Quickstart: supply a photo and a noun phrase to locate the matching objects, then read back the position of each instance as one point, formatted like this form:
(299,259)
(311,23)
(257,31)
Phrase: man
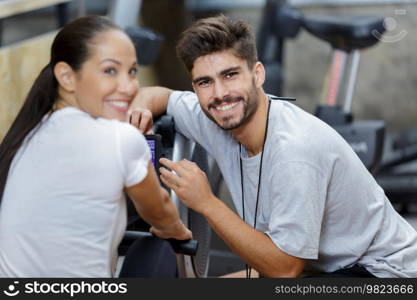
(305,200)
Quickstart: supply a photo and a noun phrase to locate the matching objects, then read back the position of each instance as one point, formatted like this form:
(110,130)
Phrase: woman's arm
(155,207)
(149,103)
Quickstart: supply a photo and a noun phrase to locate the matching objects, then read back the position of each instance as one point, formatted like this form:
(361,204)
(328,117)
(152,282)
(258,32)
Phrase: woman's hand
(141,118)
(149,102)
(175,231)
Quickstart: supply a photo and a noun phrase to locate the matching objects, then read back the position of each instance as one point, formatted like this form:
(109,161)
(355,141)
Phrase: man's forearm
(154,99)
(253,246)
(191,185)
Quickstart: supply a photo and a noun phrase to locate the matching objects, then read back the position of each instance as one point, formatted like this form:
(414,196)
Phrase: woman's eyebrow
(110,59)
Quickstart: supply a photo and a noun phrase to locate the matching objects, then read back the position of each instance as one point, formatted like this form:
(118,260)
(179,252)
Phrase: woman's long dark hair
(71,45)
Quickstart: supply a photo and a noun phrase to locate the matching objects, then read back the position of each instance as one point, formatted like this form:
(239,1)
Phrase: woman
(68,159)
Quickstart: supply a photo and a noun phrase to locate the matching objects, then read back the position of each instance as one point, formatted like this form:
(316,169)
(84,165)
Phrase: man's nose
(220,91)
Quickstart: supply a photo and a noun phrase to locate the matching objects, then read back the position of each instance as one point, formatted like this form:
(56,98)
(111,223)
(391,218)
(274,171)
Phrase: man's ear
(65,76)
(259,73)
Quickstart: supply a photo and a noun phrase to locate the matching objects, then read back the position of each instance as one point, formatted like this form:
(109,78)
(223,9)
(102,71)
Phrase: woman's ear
(259,72)
(65,76)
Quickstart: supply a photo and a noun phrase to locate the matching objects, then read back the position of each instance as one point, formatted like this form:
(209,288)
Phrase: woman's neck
(65,99)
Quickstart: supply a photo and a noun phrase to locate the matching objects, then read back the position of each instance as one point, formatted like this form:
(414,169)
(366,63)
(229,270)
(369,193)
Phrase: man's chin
(229,125)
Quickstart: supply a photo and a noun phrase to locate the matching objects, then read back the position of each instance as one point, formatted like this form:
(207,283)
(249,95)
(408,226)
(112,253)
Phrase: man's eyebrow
(231,69)
(223,72)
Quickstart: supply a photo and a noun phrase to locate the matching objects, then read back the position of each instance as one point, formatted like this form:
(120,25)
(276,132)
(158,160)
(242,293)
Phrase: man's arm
(150,102)
(254,247)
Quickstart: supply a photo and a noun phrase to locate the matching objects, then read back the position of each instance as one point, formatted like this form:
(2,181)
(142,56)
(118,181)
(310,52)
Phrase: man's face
(226,88)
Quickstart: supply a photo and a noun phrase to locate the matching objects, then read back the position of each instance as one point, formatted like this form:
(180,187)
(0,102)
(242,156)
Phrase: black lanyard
(249,269)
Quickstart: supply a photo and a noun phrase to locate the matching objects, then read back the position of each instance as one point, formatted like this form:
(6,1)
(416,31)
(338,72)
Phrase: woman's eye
(133,71)
(110,71)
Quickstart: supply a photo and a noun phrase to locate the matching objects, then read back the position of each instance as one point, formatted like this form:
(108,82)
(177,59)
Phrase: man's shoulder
(183,96)
(297,135)
(183,104)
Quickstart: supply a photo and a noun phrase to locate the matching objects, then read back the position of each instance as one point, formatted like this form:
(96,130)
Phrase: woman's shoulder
(123,128)
(79,124)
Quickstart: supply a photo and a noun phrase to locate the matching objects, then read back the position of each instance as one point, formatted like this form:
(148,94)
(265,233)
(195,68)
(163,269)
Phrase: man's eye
(110,71)
(203,82)
(231,74)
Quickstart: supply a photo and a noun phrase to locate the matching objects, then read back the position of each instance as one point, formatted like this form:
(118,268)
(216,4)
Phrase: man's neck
(251,135)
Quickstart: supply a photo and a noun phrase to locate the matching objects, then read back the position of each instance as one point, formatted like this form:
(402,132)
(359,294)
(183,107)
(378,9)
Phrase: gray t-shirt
(317,200)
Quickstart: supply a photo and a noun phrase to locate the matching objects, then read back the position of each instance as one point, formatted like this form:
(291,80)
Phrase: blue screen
(151,144)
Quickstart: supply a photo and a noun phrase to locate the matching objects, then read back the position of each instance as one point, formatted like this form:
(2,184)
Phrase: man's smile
(226,106)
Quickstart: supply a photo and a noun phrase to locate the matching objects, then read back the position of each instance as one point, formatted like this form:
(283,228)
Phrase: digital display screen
(151,144)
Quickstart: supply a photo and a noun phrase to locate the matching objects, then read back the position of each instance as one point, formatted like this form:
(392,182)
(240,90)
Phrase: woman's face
(107,81)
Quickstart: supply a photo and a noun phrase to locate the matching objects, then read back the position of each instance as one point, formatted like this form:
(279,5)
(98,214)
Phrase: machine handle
(186,247)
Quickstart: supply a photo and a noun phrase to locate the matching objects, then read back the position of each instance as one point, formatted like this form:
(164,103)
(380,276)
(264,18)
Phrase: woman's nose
(128,85)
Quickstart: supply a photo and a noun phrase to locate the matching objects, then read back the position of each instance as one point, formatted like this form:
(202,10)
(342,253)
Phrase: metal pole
(81,9)
(63,16)
(354,66)
(125,13)
(334,78)
(1,32)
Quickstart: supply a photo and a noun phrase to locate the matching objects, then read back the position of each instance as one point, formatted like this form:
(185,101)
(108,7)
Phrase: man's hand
(189,182)
(141,118)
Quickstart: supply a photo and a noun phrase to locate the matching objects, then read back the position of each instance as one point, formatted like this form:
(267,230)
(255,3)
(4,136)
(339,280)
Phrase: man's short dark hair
(210,35)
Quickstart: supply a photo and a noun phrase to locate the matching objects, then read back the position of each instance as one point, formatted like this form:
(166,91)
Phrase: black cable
(249,269)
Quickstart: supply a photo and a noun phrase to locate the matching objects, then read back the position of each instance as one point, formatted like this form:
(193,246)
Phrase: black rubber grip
(186,247)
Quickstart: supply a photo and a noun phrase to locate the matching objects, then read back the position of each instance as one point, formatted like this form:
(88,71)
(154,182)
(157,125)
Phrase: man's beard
(249,107)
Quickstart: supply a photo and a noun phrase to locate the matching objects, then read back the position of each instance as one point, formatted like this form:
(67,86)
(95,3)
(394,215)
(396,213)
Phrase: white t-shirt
(317,200)
(63,211)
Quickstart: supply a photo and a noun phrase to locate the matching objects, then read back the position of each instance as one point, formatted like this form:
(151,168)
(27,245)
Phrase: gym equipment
(147,42)
(347,36)
(398,172)
(390,157)
(193,262)
(186,247)
(125,13)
